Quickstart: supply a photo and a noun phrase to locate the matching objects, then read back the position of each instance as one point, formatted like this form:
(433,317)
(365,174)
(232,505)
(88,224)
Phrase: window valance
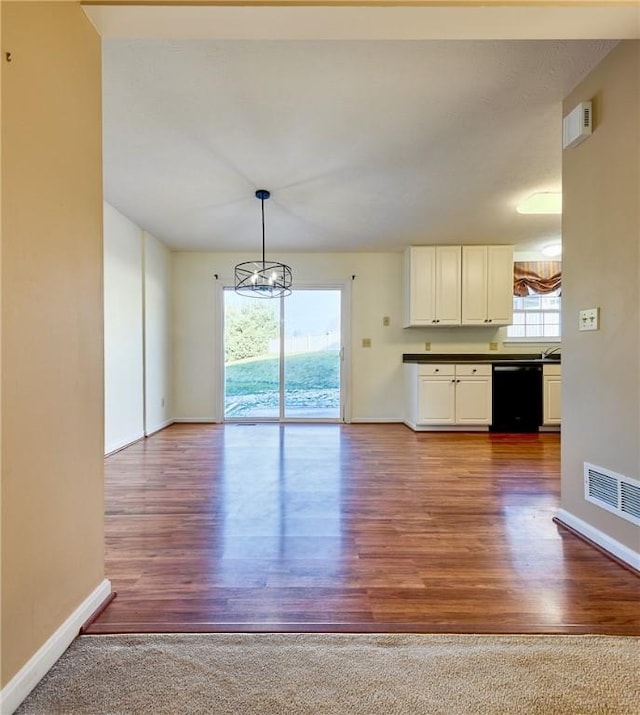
(536,277)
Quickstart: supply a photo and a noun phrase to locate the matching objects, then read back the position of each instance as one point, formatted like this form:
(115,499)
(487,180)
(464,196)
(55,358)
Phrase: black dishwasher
(517,398)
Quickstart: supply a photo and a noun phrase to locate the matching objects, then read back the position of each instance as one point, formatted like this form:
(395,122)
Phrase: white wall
(376,375)
(123,356)
(157,334)
(137,332)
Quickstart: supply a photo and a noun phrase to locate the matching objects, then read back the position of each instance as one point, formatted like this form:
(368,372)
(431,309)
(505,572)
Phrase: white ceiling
(365,145)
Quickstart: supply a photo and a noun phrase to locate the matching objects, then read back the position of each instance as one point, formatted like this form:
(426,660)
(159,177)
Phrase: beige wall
(601,238)
(52,404)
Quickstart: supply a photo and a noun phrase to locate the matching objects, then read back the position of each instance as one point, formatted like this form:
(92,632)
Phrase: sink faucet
(550,351)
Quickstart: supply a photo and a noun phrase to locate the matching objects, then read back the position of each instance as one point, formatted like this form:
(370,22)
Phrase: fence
(306,344)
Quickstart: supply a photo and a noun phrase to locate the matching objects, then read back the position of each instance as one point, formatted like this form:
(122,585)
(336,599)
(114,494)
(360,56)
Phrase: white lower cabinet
(437,398)
(473,397)
(441,395)
(552,394)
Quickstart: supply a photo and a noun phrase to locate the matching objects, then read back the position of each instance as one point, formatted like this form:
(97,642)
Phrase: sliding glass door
(283,357)
(312,352)
(251,357)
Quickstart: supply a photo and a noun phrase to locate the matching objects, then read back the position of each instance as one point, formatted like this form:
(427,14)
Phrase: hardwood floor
(350,527)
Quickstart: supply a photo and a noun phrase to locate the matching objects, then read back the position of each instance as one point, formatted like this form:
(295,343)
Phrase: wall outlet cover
(366,342)
(427,346)
(493,346)
(386,321)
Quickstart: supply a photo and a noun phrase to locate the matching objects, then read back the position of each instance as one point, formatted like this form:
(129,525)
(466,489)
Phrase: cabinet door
(420,283)
(552,399)
(436,400)
(448,286)
(474,285)
(500,285)
(473,400)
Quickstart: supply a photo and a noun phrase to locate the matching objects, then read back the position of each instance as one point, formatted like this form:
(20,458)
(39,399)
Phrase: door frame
(345,363)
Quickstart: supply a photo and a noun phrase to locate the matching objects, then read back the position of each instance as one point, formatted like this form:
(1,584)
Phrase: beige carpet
(271,674)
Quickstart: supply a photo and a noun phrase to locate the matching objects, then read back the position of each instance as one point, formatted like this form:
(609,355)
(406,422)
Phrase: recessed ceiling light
(552,250)
(544,202)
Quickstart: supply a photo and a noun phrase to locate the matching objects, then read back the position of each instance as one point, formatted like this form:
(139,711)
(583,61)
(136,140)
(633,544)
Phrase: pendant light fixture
(261,278)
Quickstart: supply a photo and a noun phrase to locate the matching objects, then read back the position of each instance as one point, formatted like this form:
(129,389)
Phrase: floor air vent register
(612,492)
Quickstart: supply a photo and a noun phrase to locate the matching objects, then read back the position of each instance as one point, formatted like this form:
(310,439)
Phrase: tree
(249,330)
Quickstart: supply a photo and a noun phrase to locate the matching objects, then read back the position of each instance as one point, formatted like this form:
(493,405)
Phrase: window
(536,317)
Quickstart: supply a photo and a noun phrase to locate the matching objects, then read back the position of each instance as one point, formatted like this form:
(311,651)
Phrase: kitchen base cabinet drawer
(474,370)
(436,370)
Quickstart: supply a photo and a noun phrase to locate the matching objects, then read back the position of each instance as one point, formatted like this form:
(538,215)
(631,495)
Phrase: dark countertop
(512,358)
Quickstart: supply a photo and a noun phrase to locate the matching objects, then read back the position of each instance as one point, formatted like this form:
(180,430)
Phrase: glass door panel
(282,357)
(252,388)
(312,359)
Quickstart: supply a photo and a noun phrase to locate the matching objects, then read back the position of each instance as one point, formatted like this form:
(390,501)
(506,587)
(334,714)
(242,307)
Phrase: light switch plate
(589,319)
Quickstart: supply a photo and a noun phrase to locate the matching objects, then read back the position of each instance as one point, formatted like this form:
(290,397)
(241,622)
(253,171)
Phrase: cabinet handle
(490,320)
(474,370)
(437,369)
(434,321)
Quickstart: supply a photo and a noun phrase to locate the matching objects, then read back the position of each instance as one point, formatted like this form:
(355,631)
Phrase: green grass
(302,372)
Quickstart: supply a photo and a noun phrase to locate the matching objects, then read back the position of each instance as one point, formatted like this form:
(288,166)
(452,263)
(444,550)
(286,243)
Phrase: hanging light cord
(262,203)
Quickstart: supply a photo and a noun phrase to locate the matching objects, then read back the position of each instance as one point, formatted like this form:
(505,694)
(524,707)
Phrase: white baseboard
(112,449)
(159,428)
(446,428)
(620,551)
(197,420)
(26,679)
(375,420)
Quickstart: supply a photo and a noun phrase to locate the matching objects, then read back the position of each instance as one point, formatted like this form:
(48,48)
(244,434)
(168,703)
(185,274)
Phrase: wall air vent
(613,492)
(577,125)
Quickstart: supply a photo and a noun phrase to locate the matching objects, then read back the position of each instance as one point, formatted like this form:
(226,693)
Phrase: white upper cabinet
(458,285)
(487,285)
(447,284)
(474,285)
(500,286)
(432,286)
